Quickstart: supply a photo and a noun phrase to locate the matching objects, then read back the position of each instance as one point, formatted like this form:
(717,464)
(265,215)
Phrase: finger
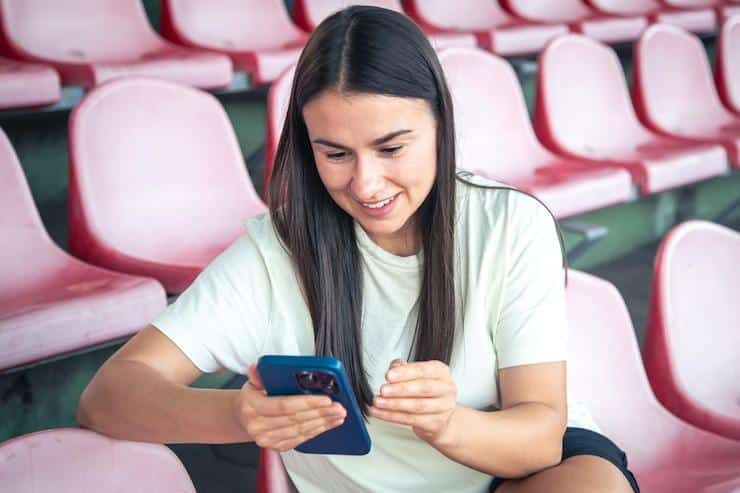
(335,411)
(414,406)
(418,369)
(397,417)
(290,444)
(287,405)
(397,362)
(423,387)
(301,430)
(254,377)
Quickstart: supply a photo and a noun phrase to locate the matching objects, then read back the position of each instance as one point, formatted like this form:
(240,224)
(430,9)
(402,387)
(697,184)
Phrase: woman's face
(377,158)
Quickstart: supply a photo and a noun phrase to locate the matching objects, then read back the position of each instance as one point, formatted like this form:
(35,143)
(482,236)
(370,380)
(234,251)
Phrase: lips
(378,205)
(380,208)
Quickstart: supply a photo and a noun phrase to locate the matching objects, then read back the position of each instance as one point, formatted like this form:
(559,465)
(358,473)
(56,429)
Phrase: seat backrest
(728,63)
(696,311)
(673,87)
(230,24)
(80,461)
(625,7)
(470,15)
(583,104)
(78,31)
(549,11)
(605,372)
(26,247)
(689,4)
(309,13)
(152,164)
(278,99)
(494,133)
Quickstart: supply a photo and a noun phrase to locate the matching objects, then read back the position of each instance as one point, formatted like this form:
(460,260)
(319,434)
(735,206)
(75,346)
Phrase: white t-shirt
(511,311)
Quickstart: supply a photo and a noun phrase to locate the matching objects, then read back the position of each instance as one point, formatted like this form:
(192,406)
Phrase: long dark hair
(364,50)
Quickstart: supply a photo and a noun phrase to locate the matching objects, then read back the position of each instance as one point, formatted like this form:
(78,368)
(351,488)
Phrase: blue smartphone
(318,375)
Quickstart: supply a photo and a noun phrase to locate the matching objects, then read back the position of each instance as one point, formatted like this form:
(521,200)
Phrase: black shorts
(579,441)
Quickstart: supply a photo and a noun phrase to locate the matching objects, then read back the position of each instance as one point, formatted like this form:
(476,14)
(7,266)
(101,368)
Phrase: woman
(378,253)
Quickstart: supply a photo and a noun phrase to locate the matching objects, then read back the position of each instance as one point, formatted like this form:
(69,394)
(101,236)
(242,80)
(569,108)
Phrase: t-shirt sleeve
(532,327)
(221,319)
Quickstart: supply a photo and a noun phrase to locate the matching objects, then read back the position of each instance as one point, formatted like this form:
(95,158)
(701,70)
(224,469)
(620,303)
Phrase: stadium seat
(271,474)
(258,35)
(309,13)
(730,8)
(580,18)
(584,110)
(674,92)
(70,460)
(277,106)
(692,342)
(27,84)
(51,303)
(495,139)
(697,20)
(92,41)
(723,8)
(605,372)
(727,69)
(495,29)
(157,184)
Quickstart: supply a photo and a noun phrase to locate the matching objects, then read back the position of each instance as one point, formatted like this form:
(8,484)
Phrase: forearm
(147,407)
(515,442)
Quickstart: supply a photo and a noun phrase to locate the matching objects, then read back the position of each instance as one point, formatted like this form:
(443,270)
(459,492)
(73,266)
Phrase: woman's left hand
(419,394)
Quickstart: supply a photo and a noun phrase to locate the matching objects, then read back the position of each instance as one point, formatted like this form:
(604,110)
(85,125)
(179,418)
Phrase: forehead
(362,116)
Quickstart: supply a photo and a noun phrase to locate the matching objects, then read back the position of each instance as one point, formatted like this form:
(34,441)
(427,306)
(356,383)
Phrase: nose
(368,179)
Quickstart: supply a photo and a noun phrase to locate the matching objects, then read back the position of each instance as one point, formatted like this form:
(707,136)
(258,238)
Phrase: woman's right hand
(283,423)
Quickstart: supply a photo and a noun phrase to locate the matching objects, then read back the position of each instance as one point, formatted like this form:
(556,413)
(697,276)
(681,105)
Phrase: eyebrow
(379,141)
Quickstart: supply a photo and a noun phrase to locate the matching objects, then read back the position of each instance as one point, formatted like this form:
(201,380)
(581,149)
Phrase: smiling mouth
(380,204)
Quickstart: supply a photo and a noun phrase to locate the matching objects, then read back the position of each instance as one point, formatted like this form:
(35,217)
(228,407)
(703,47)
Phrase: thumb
(397,362)
(254,377)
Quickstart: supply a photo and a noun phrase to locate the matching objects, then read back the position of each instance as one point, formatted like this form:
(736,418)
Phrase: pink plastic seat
(581,18)
(493,27)
(697,20)
(278,98)
(69,460)
(675,93)
(692,343)
(495,139)
(258,35)
(158,185)
(729,9)
(584,110)
(92,41)
(50,302)
(724,8)
(27,84)
(271,474)
(309,13)
(727,70)
(605,372)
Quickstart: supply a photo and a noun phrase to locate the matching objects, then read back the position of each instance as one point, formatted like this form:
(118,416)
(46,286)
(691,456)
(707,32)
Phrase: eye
(392,150)
(336,156)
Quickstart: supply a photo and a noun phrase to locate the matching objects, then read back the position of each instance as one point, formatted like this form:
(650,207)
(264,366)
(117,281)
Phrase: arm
(141,393)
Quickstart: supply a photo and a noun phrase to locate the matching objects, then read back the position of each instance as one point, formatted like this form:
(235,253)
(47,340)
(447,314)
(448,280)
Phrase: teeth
(378,205)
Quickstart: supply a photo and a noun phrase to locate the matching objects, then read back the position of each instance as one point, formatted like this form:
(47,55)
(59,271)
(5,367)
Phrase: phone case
(280,376)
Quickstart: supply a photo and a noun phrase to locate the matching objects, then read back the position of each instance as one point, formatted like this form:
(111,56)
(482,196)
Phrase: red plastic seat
(51,303)
(91,41)
(692,343)
(158,185)
(493,27)
(271,474)
(584,110)
(69,460)
(675,93)
(309,13)
(581,18)
(727,70)
(278,98)
(605,372)
(495,139)
(258,35)
(723,7)
(698,20)
(27,84)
